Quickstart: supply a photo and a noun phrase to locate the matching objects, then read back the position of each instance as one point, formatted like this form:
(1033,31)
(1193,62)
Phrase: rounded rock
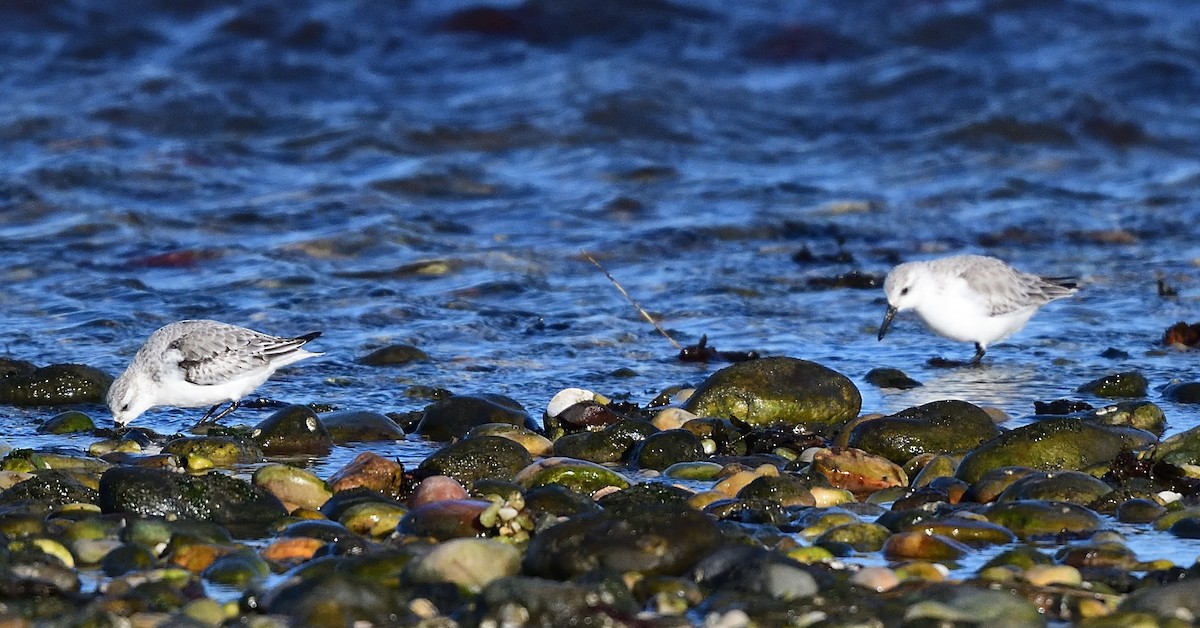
(940,427)
(479,458)
(778,391)
(454,416)
(1062,443)
(292,430)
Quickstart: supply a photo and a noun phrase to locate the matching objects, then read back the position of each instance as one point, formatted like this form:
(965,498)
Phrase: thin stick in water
(640,309)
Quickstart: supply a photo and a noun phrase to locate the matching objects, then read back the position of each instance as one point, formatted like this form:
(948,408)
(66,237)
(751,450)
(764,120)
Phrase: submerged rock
(939,427)
(1182,392)
(778,391)
(55,385)
(392,355)
(1059,443)
(1129,384)
(453,417)
(890,378)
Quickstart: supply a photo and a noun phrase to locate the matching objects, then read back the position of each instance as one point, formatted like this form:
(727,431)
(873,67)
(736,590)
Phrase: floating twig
(640,309)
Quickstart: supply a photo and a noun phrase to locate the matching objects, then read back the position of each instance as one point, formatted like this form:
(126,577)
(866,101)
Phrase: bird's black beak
(887,320)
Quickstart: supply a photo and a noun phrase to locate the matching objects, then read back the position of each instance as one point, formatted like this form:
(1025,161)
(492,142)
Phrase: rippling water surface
(429,172)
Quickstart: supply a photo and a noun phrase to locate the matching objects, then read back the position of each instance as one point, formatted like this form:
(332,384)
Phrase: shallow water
(429,173)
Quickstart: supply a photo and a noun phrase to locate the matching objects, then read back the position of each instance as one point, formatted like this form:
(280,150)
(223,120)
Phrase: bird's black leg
(210,418)
(979,351)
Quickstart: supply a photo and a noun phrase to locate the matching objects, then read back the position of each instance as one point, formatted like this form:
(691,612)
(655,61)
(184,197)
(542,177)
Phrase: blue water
(429,173)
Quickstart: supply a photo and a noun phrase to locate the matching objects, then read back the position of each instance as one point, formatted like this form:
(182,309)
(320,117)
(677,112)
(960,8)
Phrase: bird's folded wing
(208,359)
(1002,288)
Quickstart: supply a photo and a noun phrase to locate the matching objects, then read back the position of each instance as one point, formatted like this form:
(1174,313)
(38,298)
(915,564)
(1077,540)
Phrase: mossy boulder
(55,385)
(222,451)
(215,497)
(1051,444)
(1129,384)
(778,391)
(940,427)
(478,458)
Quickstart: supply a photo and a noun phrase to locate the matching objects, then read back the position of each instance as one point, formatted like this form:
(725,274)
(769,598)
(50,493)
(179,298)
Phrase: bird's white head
(904,288)
(126,399)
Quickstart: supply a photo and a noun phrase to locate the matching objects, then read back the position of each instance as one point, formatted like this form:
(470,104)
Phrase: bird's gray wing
(1006,289)
(219,354)
(1003,288)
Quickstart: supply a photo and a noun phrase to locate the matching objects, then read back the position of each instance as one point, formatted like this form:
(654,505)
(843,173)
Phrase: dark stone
(661,540)
(478,458)
(663,449)
(55,385)
(224,500)
(293,430)
(453,417)
(393,355)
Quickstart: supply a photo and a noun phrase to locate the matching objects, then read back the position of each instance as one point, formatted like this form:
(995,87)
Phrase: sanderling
(191,364)
(970,298)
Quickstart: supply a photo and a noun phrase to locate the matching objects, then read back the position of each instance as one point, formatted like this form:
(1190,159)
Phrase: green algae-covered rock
(215,497)
(1182,448)
(453,417)
(949,426)
(778,391)
(1052,444)
(1075,487)
(663,449)
(478,458)
(1143,415)
(69,422)
(580,476)
(860,535)
(46,490)
(1130,384)
(1035,518)
(654,540)
(613,443)
(55,385)
(223,451)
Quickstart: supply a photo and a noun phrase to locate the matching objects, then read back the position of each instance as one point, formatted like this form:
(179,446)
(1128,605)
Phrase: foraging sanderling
(970,298)
(196,363)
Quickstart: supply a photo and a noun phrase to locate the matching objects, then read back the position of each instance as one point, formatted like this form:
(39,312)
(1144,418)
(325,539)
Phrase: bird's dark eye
(904,292)
(125,408)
